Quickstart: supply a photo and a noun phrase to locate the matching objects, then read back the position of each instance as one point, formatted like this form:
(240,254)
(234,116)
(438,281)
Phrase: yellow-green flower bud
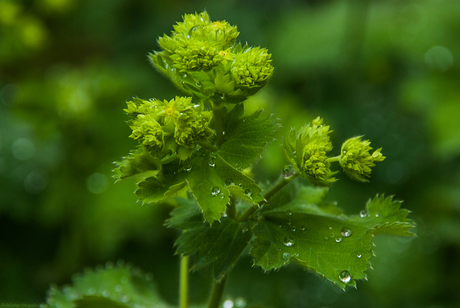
(192,125)
(198,44)
(148,132)
(307,151)
(141,106)
(252,67)
(356,159)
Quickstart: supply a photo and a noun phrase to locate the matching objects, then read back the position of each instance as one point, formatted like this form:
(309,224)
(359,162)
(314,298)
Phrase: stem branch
(217,292)
(267,196)
(183,287)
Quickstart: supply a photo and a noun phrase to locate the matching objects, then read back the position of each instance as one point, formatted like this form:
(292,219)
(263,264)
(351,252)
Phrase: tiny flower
(307,150)
(252,67)
(356,159)
(148,132)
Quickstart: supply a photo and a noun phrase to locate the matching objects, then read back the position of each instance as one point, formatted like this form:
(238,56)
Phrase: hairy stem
(217,292)
(217,117)
(267,196)
(183,287)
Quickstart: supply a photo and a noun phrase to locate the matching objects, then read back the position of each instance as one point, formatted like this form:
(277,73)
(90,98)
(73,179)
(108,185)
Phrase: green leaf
(210,179)
(112,286)
(207,187)
(245,138)
(220,244)
(139,164)
(385,216)
(312,232)
(167,184)
(97,302)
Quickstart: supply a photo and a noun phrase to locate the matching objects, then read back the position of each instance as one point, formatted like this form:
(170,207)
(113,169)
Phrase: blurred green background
(388,69)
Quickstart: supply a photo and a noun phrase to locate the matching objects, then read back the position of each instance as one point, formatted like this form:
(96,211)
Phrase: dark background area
(387,69)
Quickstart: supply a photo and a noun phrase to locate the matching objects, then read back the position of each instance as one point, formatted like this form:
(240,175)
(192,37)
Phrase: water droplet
(124,298)
(359,256)
(244,229)
(288,242)
(288,171)
(105,293)
(240,185)
(345,276)
(302,228)
(363,213)
(293,228)
(229,182)
(338,240)
(212,162)
(124,279)
(286,256)
(326,238)
(215,191)
(238,166)
(118,288)
(187,166)
(90,291)
(289,212)
(222,196)
(294,153)
(346,232)
(248,193)
(109,265)
(377,215)
(330,228)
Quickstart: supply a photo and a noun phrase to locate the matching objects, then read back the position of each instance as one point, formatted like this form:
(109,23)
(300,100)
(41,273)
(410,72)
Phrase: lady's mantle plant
(197,149)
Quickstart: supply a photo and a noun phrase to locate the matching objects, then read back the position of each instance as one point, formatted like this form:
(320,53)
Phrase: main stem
(217,292)
(183,287)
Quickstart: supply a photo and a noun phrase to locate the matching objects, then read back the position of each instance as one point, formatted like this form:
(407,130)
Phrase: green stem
(334,159)
(217,117)
(267,196)
(217,292)
(205,144)
(183,287)
(231,210)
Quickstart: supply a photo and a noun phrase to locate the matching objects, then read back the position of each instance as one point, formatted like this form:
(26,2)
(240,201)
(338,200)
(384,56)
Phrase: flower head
(307,150)
(148,132)
(356,159)
(252,67)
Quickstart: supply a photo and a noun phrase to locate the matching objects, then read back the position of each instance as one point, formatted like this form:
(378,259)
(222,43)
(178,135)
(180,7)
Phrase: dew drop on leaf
(289,212)
(215,191)
(229,182)
(363,213)
(338,239)
(240,302)
(293,228)
(359,256)
(187,166)
(345,276)
(302,228)
(244,229)
(288,242)
(287,171)
(286,256)
(212,162)
(346,232)
(118,288)
(105,293)
(248,193)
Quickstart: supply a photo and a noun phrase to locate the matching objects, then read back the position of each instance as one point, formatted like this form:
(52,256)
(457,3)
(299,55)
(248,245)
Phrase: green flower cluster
(202,58)
(307,151)
(166,127)
(356,159)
